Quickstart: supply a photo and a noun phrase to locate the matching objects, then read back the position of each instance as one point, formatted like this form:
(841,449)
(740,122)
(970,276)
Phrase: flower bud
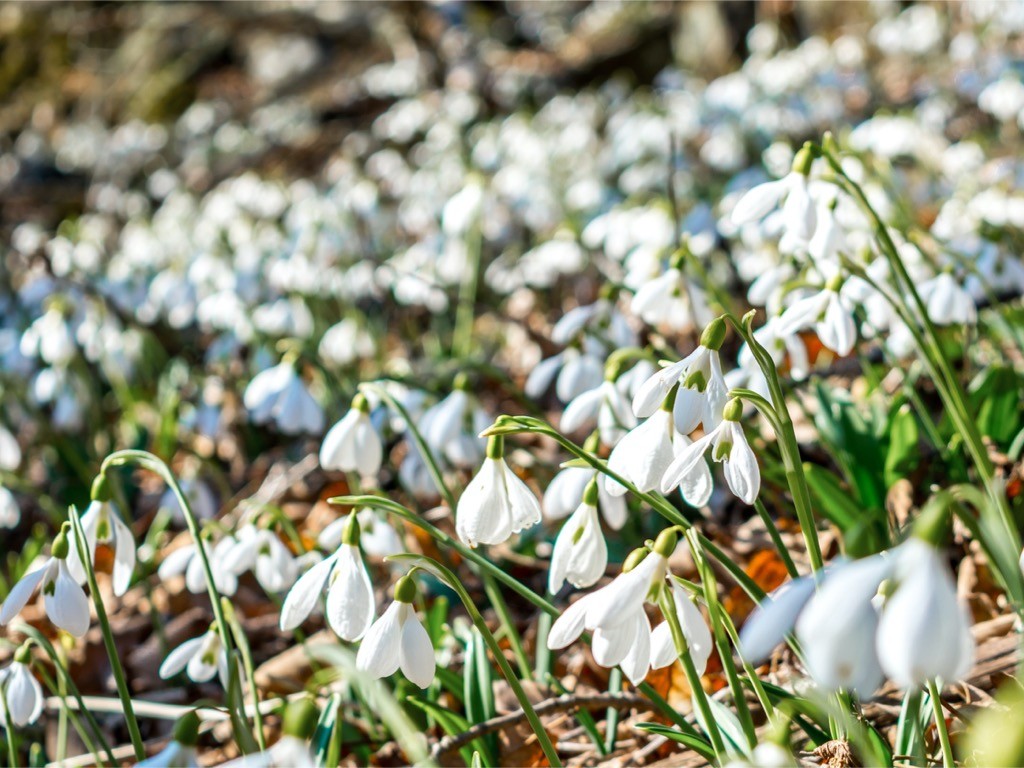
(300,718)
(350,535)
(714,334)
(666,542)
(186,730)
(405,589)
(100,488)
(61,547)
(803,160)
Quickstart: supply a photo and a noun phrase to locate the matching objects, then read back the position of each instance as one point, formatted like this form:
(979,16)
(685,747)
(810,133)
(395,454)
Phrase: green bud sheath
(803,160)
(360,403)
(461,382)
(714,334)
(351,533)
(61,547)
(733,410)
(186,730)
(24,653)
(590,493)
(405,589)
(666,542)
(100,488)
(300,718)
(634,559)
(495,447)
(933,524)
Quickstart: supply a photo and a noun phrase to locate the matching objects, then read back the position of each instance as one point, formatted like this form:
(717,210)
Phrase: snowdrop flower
(925,631)
(292,750)
(670,300)
(644,454)
(63,599)
(181,751)
(580,554)
(200,658)
(49,338)
(496,503)
(695,631)
(397,640)
(606,406)
(947,302)
(573,371)
(614,614)
(565,492)
(729,446)
(197,493)
(22,694)
(451,427)
(185,560)
(376,535)
(353,444)
(278,396)
(10,513)
(345,342)
(102,524)
(10,451)
(261,551)
(774,618)
(829,312)
(602,320)
(350,606)
(703,391)
(791,191)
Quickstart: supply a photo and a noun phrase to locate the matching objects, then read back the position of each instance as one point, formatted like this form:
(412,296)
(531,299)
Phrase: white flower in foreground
(580,554)
(729,446)
(925,631)
(702,391)
(10,513)
(262,552)
(774,618)
(102,524)
(829,312)
(350,605)
(376,535)
(22,693)
(63,599)
(947,302)
(278,396)
(293,749)
(565,491)
(496,503)
(614,614)
(185,560)
(643,455)
(180,752)
(799,216)
(397,640)
(353,444)
(200,658)
(695,630)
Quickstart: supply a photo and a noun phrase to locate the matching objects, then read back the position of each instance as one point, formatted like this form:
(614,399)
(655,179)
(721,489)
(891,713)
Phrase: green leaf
(697,744)
(903,452)
(833,500)
(995,397)
(454,724)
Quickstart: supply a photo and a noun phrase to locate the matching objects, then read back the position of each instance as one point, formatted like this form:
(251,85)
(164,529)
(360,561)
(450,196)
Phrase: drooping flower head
(102,524)
(397,640)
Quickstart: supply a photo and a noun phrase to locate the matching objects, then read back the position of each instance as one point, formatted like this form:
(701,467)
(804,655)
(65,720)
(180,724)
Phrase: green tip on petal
(100,488)
(666,542)
(714,334)
(300,718)
(61,547)
(186,730)
(405,589)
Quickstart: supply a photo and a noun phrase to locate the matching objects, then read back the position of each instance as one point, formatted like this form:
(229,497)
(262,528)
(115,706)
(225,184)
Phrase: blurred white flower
(279,397)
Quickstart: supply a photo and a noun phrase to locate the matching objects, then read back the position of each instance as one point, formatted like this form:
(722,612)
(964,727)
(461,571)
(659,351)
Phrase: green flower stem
(776,537)
(700,698)
(752,679)
(501,608)
(452,581)
(940,724)
(465,312)
(612,714)
(154,464)
(250,670)
(108,637)
(69,684)
(9,735)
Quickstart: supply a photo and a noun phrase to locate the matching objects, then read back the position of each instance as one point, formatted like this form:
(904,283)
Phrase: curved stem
(108,636)
(452,581)
(250,671)
(940,724)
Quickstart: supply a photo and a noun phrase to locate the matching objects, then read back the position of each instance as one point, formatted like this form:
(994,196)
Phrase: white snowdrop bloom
(21,691)
(925,631)
(451,427)
(605,406)
(10,513)
(792,191)
(180,752)
(947,302)
(580,553)
(10,451)
(496,503)
(278,396)
(729,446)
(695,630)
(261,551)
(837,628)
(50,339)
(602,318)
(702,392)
(829,238)
(614,614)
(200,658)
(462,210)
(565,492)
(643,455)
(397,640)
(353,443)
(573,371)
(102,524)
(829,312)
(377,536)
(63,599)
(197,493)
(185,560)
(293,749)
(767,289)
(696,486)
(774,618)
(344,342)
(350,604)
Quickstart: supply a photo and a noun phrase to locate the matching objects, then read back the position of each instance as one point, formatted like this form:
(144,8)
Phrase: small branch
(566,703)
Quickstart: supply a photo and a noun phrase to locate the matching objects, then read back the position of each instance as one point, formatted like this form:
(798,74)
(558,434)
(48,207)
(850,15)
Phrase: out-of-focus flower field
(561,383)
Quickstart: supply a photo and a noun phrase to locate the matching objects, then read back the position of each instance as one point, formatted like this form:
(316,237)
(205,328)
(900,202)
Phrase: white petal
(663,647)
(304,595)
(570,625)
(380,652)
(483,514)
(644,454)
(350,606)
(579,374)
(581,411)
(695,487)
(178,659)
(542,375)
(580,554)
(124,554)
(637,662)
(741,470)
(685,463)
(524,507)
(88,521)
(418,663)
(67,607)
(21,592)
(625,594)
(837,331)
(654,391)
(774,618)
(176,562)
(205,663)
(695,629)
(803,313)
(758,201)
(369,450)
(610,645)
(337,452)
(24,695)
